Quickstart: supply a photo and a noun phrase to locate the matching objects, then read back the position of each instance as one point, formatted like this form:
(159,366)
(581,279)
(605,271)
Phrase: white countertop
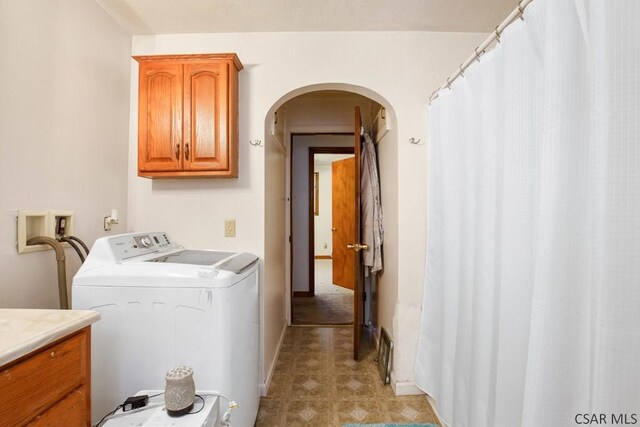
(25,330)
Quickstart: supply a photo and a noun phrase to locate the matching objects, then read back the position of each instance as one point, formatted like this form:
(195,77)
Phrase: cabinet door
(160,117)
(206,118)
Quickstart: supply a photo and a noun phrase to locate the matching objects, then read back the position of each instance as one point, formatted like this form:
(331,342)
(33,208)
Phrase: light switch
(230,228)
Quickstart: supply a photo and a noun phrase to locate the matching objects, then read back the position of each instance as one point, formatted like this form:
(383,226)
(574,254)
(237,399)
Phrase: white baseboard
(408,388)
(264,387)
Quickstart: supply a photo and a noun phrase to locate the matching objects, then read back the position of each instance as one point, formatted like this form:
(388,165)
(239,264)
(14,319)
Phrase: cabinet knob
(53,354)
(186,151)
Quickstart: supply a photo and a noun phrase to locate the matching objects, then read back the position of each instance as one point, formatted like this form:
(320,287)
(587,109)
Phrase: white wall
(300,200)
(273,302)
(64,123)
(387,284)
(394,68)
(323,222)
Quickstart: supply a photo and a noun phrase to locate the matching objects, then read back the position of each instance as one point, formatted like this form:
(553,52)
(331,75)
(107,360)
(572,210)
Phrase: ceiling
(231,16)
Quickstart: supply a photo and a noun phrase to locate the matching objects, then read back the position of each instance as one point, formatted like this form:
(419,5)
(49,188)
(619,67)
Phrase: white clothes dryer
(162,306)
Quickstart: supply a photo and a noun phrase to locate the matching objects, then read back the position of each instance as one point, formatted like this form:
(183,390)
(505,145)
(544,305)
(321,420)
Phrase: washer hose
(62,272)
(83,244)
(71,243)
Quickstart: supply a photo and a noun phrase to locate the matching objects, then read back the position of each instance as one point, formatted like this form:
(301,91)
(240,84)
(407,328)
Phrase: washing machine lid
(239,263)
(193,257)
(151,259)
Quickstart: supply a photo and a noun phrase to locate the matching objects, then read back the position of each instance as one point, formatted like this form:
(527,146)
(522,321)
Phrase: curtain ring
(521,10)
(478,53)
(448,83)
(461,70)
(497,34)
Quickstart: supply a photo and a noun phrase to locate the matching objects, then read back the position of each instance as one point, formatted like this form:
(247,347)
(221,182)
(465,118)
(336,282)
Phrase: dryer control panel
(134,245)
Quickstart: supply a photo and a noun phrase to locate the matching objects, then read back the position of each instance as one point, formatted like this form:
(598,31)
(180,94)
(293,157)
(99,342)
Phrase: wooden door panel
(343,217)
(358,275)
(160,117)
(206,134)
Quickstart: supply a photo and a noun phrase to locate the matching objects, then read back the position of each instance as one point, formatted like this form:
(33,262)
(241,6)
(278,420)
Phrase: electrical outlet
(230,228)
(61,223)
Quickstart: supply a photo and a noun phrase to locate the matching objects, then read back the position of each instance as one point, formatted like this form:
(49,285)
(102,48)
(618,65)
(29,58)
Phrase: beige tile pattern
(316,382)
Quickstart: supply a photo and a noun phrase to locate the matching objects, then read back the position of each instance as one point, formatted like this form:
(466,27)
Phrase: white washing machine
(162,306)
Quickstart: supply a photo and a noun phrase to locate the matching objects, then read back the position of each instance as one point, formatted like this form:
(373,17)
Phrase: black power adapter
(135,402)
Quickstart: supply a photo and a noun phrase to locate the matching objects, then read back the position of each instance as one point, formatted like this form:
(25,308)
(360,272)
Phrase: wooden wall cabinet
(188,116)
(49,387)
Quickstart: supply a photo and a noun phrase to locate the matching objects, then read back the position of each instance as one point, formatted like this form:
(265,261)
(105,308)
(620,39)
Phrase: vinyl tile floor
(316,382)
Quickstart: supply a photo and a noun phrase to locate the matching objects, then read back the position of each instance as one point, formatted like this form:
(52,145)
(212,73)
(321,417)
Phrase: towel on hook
(372,230)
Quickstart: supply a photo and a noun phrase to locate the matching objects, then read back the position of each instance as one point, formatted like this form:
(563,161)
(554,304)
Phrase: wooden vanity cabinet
(188,116)
(50,386)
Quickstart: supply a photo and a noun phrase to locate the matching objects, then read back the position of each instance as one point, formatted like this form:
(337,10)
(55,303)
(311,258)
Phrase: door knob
(358,247)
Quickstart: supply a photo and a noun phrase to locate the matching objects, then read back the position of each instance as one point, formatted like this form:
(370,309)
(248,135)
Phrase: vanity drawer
(69,412)
(33,384)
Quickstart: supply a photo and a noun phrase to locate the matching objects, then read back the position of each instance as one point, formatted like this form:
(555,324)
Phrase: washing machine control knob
(145,242)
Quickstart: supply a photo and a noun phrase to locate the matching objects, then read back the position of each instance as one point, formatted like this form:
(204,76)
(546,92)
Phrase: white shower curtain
(531,313)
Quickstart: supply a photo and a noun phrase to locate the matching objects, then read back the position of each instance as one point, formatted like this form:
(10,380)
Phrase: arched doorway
(315,109)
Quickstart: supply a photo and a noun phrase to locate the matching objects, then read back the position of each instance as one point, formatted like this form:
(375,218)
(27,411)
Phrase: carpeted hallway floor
(331,305)
(317,383)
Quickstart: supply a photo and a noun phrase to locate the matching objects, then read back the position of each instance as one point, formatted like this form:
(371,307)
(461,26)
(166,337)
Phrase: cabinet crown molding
(192,57)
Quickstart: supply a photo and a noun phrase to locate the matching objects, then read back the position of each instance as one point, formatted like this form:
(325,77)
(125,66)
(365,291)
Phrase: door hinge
(289,239)
(364,296)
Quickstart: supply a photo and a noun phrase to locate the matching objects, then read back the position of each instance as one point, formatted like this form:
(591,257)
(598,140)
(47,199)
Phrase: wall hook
(414,141)
(256,142)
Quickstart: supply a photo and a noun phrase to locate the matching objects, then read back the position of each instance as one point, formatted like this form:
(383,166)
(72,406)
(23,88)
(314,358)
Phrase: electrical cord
(156,395)
(108,415)
(201,408)
(113,414)
(118,407)
(226,417)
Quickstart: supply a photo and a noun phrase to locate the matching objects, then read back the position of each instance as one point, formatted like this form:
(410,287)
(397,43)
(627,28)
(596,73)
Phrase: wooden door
(357,274)
(206,133)
(160,117)
(343,218)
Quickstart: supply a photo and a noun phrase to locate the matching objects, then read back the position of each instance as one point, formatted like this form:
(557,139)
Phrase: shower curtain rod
(518,12)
